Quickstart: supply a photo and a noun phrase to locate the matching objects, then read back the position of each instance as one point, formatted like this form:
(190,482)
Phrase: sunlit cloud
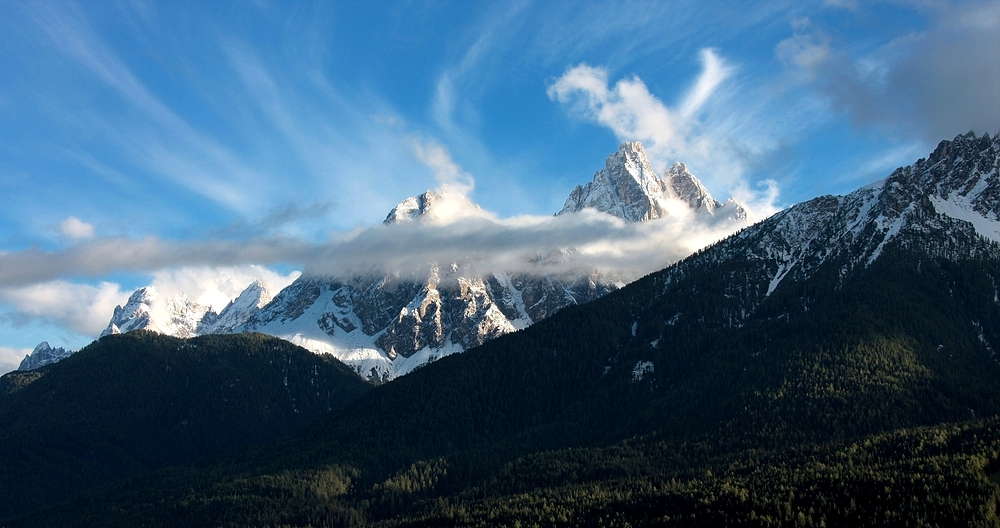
(669,134)
(714,71)
(447,173)
(215,286)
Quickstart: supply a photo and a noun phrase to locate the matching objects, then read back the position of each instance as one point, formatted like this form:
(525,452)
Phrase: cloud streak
(474,237)
(119,254)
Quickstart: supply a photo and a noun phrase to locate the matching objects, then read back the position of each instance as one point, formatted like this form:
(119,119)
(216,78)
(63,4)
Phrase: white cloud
(75,229)
(211,270)
(628,109)
(83,308)
(447,173)
(485,244)
(215,286)
(714,72)
(146,255)
(10,358)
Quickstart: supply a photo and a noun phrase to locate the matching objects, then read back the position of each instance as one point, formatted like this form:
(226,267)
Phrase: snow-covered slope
(946,202)
(42,355)
(385,326)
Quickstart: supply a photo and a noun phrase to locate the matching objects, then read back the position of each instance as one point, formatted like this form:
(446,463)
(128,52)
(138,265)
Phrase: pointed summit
(412,208)
(147,309)
(681,184)
(134,315)
(240,310)
(628,188)
(42,355)
(440,205)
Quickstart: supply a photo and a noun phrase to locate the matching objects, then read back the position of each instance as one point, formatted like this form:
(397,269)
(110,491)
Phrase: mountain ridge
(386,325)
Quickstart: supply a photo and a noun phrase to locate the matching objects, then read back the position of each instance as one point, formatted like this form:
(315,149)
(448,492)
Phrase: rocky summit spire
(628,188)
(42,355)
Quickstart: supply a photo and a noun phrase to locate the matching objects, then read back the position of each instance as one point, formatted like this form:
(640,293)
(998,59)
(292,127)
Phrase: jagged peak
(628,188)
(43,354)
(681,184)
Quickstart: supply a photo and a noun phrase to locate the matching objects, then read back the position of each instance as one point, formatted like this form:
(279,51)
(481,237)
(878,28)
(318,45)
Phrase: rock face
(42,355)
(385,325)
(628,188)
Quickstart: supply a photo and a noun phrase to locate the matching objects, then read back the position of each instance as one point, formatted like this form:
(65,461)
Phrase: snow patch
(960,208)
(641,369)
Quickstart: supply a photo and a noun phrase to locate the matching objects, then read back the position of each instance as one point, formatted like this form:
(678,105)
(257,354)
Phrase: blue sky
(190,143)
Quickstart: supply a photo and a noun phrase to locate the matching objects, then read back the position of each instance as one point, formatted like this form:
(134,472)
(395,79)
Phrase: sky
(197,146)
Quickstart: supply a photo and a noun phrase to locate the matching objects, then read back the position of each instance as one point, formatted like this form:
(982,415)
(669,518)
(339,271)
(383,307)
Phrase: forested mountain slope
(135,402)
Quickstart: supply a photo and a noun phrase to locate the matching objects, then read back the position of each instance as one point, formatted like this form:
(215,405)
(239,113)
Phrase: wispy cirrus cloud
(161,141)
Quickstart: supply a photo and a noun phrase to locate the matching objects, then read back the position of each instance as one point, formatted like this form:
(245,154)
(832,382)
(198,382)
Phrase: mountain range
(387,324)
(832,365)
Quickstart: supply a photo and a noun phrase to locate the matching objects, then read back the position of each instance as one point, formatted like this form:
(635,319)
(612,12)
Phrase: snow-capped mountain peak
(173,315)
(681,184)
(442,205)
(240,310)
(629,189)
(135,314)
(42,355)
(952,196)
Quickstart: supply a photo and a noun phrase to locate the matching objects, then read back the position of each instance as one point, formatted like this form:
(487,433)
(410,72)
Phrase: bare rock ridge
(385,325)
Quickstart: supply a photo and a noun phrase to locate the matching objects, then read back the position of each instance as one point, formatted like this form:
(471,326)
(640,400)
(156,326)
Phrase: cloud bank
(83,308)
(456,234)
